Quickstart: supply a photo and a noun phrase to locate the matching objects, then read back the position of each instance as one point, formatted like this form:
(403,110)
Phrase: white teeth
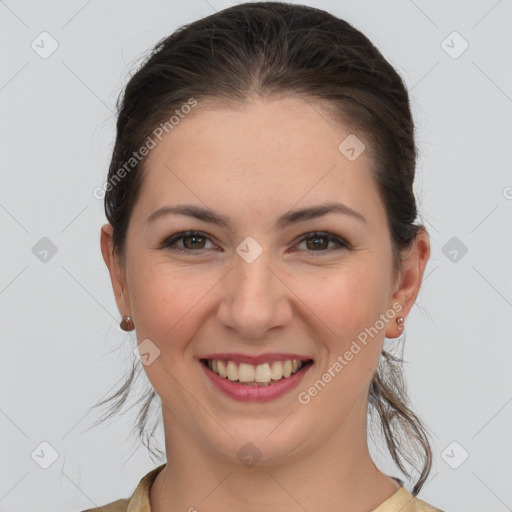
(287,368)
(245,372)
(263,373)
(277,370)
(232,371)
(253,375)
(222,369)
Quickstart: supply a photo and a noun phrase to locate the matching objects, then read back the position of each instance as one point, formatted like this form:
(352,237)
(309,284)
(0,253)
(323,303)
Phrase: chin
(264,442)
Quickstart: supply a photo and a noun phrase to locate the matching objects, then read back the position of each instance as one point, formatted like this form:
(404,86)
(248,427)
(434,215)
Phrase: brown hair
(265,49)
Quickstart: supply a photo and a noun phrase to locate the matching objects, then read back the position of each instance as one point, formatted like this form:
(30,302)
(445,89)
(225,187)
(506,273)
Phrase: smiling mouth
(264,374)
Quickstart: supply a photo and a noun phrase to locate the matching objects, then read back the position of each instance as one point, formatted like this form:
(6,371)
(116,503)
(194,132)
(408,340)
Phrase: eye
(320,240)
(192,240)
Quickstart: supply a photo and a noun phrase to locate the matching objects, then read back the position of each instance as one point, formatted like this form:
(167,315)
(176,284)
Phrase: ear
(414,261)
(116,270)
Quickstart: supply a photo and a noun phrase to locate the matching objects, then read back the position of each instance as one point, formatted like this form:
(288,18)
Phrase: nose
(255,299)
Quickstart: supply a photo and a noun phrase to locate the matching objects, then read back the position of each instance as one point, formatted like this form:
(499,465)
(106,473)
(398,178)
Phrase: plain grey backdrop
(63,63)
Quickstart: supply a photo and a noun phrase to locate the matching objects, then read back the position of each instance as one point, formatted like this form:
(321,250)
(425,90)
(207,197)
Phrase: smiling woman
(262,250)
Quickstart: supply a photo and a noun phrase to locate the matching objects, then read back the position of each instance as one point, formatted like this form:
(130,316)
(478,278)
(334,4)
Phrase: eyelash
(173,239)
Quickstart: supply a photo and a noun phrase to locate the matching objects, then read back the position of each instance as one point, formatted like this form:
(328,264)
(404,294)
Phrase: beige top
(401,501)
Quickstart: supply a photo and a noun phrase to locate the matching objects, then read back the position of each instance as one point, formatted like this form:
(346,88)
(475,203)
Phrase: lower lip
(256,393)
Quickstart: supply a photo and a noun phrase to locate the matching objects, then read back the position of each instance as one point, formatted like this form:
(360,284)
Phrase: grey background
(62,349)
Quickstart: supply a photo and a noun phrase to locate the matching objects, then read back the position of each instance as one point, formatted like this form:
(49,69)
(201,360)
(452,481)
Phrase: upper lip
(255,359)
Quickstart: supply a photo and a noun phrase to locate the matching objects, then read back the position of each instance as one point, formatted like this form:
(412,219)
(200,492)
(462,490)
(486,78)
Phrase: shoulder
(422,506)
(404,501)
(138,502)
(115,506)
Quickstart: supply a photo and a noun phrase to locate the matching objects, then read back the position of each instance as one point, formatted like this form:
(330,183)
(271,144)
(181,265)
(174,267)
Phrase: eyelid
(177,237)
(342,244)
(331,237)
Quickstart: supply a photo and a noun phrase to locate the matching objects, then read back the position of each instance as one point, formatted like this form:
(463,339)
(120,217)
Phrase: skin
(252,164)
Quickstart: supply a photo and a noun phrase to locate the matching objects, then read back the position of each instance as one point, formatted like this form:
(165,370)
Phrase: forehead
(260,154)
(264,131)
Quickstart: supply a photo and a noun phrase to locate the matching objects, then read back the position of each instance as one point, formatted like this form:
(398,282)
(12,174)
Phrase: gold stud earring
(400,322)
(127,324)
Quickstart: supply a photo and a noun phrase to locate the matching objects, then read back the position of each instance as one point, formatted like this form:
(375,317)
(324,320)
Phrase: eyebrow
(288,218)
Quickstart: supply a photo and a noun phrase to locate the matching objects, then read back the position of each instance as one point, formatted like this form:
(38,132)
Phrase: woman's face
(258,290)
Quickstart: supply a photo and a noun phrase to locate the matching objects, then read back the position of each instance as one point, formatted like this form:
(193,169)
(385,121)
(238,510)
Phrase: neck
(337,474)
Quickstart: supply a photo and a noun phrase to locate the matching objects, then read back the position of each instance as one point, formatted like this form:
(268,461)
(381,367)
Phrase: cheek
(166,302)
(167,305)
(346,299)
(349,301)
